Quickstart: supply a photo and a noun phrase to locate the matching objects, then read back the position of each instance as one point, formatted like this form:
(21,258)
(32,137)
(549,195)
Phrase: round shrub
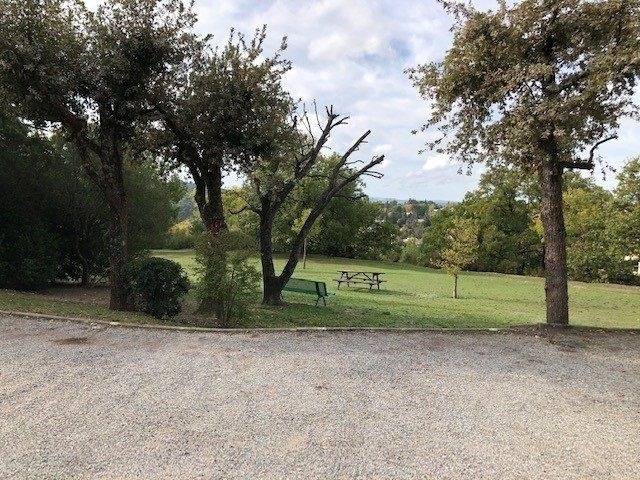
(158,286)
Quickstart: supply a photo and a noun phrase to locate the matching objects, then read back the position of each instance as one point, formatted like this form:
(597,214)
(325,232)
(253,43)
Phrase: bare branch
(365,170)
(247,205)
(77,126)
(589,163)
(345,157)
(315,107)
(237,212)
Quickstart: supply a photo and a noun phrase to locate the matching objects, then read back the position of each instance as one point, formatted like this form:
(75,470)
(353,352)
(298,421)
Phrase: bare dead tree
(271,194)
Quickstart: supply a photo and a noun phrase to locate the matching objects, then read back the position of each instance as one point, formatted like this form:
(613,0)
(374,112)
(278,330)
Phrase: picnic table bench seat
(312,287)
(359,277)
(371,283)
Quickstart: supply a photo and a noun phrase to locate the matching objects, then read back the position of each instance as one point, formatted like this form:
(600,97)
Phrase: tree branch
(236,212)
(587,164)
(336,170)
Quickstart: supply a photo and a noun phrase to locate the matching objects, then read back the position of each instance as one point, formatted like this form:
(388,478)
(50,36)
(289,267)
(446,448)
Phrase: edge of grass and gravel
(135,320)
(541,328)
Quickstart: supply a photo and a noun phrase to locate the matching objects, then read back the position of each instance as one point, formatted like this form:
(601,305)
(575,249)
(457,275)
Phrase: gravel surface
(104,402)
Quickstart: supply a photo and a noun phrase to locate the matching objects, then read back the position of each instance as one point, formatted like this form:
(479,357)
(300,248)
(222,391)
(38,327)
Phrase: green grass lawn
(411,297)
(13,301)
(421,297)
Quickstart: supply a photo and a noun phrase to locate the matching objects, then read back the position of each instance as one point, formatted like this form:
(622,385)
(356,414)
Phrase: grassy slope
(420,297)
(411,297)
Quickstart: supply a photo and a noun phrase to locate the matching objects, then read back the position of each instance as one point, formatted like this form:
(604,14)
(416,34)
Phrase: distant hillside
(440,203)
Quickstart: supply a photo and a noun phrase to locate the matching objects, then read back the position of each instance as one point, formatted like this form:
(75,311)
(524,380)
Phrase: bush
(184,234)
(411,252)
(227,280)
(179,240)
(28,257)
(157,286)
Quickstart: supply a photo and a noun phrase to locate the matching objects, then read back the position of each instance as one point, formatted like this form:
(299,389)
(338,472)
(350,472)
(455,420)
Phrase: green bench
(301,285)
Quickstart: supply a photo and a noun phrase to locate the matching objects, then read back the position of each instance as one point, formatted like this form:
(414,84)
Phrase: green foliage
(157,286)
(507,240)
(65,63)
(599,233)
(227,281)
(411,252)
(534,85)
(627,202)
(28,255)
(378,240)
(461,250)
(186,206)
(462,246)
(181,236)
(80,216)
(602,228)
(152,200)
(58,218)
(92,74)
(351,226)
(412,216)
(239,217)
(28,244)
(434,240)
(77,213)
(227,113)
(628,189)
(233,104)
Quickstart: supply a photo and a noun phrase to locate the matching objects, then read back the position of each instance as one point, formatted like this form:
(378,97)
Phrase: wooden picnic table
(355,276)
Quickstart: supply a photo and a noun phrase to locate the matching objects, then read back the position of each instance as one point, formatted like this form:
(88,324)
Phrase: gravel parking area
(78,401)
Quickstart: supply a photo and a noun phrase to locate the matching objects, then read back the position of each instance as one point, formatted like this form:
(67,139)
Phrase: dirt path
(82,402)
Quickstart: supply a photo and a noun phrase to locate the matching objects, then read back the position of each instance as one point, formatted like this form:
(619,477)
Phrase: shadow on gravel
(72,341)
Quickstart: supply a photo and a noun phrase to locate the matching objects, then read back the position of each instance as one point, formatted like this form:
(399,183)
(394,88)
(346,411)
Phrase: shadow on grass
(295,314)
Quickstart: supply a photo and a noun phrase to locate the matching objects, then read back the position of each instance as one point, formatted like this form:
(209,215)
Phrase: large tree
(540,85)
(91,74)
(219,114)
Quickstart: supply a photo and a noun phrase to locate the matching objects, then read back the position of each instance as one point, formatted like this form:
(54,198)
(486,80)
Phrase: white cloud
(436,162)
(382,149)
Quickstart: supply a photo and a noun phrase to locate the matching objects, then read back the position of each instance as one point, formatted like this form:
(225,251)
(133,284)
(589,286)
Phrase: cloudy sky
(352,54)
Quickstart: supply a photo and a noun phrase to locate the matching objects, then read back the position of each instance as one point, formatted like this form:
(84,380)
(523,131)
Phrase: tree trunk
(85,274)
(111,161)
(208,197)
(118,257)
(299,242)
(215,273)
(304,254)
(555,252)
(85,264)
(272,293)
(272,285)
(455,285)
